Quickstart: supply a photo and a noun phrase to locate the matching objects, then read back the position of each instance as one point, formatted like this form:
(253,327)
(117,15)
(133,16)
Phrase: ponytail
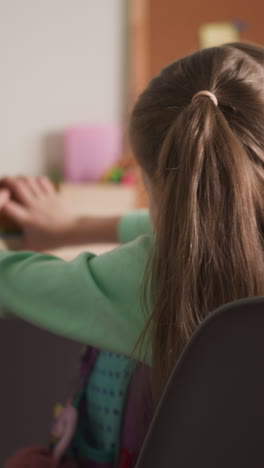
(209,250)
(205,158)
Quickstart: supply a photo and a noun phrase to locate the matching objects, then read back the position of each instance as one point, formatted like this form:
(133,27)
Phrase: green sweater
(93,299)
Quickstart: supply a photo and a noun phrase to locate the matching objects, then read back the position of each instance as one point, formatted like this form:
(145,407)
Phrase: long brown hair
(206,163)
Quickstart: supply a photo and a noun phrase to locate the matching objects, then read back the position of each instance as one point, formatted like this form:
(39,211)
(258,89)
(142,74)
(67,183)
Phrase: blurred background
(62,65)
(71,69)
(70,73)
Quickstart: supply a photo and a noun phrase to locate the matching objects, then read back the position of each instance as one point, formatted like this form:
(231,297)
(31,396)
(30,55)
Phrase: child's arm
(93,300)
(118,229)
(47,223)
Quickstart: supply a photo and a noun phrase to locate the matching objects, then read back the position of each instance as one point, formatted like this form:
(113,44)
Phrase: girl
(197,132)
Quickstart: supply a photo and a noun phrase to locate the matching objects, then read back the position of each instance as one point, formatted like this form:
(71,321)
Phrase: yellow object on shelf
(217,33)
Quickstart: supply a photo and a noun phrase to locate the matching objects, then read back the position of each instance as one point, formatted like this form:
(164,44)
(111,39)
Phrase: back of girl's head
(206,164)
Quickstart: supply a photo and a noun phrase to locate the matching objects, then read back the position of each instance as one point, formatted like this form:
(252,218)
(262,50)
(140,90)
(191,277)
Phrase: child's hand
(4,197)
(37,209)
(63,430)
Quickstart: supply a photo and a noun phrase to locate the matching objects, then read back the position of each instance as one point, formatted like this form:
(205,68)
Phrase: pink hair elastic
(208,94)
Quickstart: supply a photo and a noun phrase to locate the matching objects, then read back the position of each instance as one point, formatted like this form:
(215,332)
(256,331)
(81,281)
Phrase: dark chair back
(211,414)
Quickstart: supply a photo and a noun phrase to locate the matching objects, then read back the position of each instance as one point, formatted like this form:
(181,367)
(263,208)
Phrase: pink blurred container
(90,151)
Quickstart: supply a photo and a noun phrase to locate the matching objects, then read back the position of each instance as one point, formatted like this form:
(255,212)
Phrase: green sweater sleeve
(93,299)
(134,224)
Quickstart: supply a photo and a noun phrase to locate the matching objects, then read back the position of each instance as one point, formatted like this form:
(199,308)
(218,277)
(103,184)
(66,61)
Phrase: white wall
(60,64)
